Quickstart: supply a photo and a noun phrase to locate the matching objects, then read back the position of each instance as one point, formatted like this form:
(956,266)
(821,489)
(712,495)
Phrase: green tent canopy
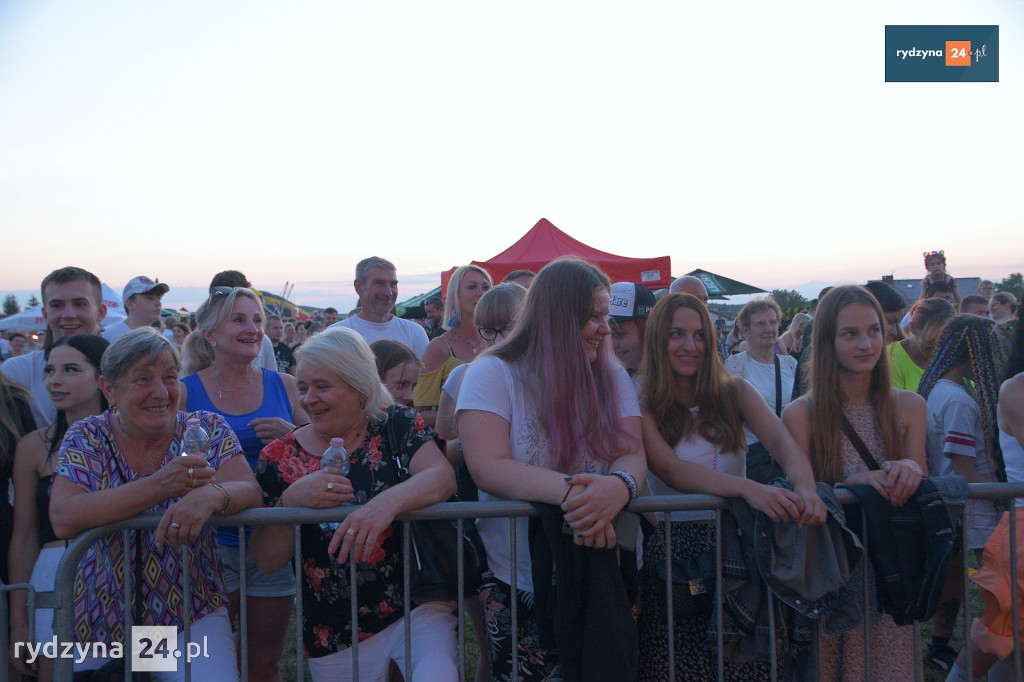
(412,309)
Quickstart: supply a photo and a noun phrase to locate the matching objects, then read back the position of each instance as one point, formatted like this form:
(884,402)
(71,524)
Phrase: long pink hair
(575,399)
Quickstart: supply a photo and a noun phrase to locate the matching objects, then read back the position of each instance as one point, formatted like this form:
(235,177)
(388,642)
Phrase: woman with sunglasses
(458,345)
(260,405)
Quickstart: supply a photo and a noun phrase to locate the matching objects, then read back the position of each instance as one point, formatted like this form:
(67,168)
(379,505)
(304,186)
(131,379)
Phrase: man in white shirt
(377,286)
(72,304)
(141,299)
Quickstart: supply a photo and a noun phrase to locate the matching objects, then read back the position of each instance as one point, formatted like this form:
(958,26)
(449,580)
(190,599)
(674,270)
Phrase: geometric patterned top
(90,457)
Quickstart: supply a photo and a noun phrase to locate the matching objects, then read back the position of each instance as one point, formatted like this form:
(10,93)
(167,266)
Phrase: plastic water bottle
(334,461)
(196,441)
(335,458)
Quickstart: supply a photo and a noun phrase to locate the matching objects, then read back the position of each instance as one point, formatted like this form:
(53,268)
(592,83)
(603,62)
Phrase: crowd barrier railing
(60,599)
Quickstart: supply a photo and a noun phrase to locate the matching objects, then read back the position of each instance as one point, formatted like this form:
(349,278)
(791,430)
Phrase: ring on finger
(193,483)
(191,472)
(330,486)
(175,525)
(350,531)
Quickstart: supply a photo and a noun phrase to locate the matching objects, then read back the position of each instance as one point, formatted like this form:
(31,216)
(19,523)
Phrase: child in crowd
(935,264)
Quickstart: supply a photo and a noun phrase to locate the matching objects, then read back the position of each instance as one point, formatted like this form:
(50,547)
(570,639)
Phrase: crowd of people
(560,388)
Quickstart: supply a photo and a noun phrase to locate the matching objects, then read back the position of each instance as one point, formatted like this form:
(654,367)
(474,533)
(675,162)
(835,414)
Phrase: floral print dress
(326,590)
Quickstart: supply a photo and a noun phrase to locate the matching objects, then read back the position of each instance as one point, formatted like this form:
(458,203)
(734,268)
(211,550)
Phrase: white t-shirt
(116,331)
(451,384)
(266,359)
(27,371)
(1013,459)
(491,386)
(699,451)
(396,329)
(955,427)
(762,377)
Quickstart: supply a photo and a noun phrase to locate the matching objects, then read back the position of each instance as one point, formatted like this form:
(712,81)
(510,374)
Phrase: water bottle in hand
(335,458)
(196,440)
(334,461)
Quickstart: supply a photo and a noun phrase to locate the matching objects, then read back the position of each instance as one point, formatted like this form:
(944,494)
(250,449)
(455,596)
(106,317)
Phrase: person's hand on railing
(269,429)
(814,509)
(318,490)
(902,478)
(591,506)
(361,531)
(779,504)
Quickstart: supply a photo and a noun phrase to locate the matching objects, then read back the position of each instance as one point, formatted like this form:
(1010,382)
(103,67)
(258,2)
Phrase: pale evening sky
(290,140)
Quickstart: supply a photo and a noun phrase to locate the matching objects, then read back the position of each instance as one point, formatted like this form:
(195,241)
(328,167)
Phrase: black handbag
(693,584)
(434,544)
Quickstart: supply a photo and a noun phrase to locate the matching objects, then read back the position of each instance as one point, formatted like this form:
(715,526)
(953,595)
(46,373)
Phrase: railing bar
(965,586)
(774,676)
(300,672)
(186,574)
(354,611)
(460,603)
(243,609)
(514,598)
(668,598)
(719,616)
(407,598)
(1014,591)
(918,663)
(129,588)
(868,567)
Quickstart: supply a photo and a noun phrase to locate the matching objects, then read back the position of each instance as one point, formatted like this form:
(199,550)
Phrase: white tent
(30,320)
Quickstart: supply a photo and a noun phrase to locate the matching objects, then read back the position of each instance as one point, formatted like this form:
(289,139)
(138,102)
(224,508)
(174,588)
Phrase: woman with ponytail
(963,439)
(909,357)
(260,405)
(459,344)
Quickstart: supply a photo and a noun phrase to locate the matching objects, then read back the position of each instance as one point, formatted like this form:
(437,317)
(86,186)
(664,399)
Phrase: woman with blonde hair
(851,391)
(260,405)
(459,344)
(792,339)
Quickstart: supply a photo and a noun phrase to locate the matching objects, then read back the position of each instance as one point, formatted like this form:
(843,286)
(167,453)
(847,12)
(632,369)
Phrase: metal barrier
(61,598)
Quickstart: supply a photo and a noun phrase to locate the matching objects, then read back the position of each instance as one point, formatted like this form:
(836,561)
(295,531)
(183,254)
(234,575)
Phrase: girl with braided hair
(963,439)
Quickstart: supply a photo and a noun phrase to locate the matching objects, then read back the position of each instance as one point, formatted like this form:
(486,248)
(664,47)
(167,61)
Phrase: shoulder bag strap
(778,386)
(859,445)
(393,445)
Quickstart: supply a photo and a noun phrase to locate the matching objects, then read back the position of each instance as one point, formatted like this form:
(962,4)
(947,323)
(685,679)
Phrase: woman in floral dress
(344,398)
(850,380)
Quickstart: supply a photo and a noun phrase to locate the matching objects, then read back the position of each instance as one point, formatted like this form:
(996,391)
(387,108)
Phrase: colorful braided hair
(971,338)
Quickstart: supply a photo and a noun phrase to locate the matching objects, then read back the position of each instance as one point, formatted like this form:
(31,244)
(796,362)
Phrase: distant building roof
(911,288)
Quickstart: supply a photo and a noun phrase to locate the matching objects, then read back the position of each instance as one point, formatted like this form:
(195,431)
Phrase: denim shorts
(281,583)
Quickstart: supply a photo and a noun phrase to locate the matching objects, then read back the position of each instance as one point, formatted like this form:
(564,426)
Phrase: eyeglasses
(490,334)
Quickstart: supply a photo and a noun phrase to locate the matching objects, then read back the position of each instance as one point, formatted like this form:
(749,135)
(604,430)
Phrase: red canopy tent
(545,242)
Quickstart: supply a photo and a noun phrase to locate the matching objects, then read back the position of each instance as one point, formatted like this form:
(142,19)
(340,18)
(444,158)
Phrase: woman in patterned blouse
(129,460)
(344,398)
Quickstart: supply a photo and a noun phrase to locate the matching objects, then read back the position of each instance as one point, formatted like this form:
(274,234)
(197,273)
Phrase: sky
(290,140)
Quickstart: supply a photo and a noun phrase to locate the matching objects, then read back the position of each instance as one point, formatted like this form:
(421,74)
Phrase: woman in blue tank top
(260,406)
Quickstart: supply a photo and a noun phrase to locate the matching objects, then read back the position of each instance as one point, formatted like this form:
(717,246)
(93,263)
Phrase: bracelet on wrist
(629,480)
(227,498)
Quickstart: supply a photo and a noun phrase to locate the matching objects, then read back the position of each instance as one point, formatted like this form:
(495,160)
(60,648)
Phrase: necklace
(221,390)
(469,343)
(353,440)
(138,453)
